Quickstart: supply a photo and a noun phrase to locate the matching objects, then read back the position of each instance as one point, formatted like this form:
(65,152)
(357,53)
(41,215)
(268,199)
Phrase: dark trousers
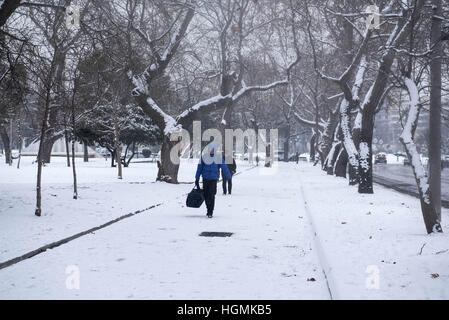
(210,190)
(227,185)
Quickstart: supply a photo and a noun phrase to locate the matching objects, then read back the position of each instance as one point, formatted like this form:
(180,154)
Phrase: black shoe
(209,215)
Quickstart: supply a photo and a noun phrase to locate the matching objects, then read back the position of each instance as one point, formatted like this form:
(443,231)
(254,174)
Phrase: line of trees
(138,70)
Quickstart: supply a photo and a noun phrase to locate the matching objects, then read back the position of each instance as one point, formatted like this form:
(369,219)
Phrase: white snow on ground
(102,197)
(159,255)
(383,232)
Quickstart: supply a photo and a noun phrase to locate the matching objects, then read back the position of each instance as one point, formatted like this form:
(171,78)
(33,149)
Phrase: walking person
(209,168)
(227,183)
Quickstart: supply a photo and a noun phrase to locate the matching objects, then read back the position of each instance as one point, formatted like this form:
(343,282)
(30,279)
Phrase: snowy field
(371,246)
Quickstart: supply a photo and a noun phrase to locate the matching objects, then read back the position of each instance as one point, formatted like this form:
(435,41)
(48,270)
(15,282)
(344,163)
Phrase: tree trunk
(86,151)
(328,136)
(75,183)
(352,154)
(332,158)
(354,172)
(168,171)
(19,141)
(287,144)
(67,148)
(366,155)
(6,145)
(112,158)
(341,163)
(268,152)
(312,148)
(429,213)
(435,109)
(40,160)
(48,147)
(117,151)
(133,153)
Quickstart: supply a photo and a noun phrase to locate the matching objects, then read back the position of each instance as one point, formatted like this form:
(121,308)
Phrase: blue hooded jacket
(209,168)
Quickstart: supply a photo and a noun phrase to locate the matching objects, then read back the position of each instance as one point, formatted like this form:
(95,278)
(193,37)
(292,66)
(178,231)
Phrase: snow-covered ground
(159,255)
(102,197)
(378,239)
(371,246)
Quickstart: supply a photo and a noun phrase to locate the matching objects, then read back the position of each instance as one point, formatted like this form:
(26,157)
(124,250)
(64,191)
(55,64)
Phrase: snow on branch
(306,122)
(408,142)
(245,90)
(169,123)
(207,104)
(430,216)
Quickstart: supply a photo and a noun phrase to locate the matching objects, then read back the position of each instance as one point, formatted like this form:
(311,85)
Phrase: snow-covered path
(159,255)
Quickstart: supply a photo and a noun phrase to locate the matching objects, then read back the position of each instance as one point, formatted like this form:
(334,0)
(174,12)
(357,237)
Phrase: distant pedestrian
(227,183)
(209,168)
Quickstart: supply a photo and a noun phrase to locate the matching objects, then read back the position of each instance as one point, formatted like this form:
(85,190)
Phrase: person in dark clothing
(209,168)
(227,183)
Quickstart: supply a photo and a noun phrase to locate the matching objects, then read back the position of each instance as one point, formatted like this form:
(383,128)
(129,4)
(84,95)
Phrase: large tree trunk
(366,155)
(431,219)
(435,109)
(38,211)
(86,151)
(331,157)
(312,148)
(133,153)
(168,170)
(112,158)
(352,171)
(287,144)
(49,141)
(351,152)
(57,74)
(341,163)
(6,145)
(328,137)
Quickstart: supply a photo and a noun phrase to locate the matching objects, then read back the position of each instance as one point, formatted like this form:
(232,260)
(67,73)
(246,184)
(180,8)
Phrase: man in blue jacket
(209,167)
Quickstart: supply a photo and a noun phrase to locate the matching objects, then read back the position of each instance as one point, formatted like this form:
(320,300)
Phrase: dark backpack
(195,198)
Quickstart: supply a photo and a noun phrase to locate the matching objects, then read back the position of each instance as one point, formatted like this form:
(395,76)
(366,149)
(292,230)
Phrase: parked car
(380,158)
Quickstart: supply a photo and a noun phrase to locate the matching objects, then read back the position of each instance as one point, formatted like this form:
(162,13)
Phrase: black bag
(195,198)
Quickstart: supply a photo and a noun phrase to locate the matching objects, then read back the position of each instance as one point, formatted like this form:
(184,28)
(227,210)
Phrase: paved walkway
(159,255)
